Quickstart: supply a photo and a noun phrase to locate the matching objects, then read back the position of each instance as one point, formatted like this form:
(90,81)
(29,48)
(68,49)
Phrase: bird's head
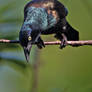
(25,35)
(25,40)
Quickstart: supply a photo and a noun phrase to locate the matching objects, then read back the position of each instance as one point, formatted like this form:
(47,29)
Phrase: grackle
(45,17)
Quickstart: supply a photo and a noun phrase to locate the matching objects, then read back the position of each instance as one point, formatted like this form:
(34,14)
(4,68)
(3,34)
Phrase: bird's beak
(27,51)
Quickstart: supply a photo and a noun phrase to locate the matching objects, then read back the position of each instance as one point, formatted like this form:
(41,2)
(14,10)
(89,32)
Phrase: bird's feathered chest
(38,18)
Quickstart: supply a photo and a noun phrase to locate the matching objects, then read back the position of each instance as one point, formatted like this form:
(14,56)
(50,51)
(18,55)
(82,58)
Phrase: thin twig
(80,43)
(8,41)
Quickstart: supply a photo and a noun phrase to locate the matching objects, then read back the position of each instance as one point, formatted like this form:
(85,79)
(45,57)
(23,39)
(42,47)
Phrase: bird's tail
(72,34)
(27,51)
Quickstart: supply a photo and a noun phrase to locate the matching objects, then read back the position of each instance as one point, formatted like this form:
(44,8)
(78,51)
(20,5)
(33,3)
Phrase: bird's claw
(63,44)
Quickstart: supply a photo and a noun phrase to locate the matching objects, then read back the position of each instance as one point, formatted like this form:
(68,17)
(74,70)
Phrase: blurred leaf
(15,72)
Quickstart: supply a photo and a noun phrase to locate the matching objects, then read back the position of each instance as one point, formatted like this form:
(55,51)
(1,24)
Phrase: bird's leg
(62,38)
(40,43)
(37,37)
(63,41)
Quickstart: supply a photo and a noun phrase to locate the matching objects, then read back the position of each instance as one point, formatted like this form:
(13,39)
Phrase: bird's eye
(29,38)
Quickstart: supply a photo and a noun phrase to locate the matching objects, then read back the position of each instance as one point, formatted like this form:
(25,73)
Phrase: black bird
(45,17)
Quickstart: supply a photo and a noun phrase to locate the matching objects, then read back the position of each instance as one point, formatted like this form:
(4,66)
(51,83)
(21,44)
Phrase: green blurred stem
(35,71)
(35,77)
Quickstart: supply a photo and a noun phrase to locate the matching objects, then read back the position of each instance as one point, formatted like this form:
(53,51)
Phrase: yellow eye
(29,38)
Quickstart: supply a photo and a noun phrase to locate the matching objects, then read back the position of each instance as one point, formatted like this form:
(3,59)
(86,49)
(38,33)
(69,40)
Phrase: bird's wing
(48,4)
(33,3)
(61,9)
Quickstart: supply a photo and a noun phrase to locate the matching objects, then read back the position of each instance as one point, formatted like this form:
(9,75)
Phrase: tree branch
(79,43)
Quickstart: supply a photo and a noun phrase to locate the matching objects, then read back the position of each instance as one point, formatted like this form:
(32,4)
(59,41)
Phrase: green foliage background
(67,70)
